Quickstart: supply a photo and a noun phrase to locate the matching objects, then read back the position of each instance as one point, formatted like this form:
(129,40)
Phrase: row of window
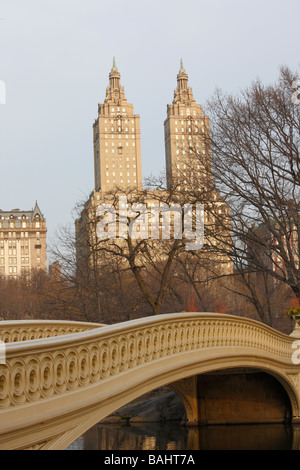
(189,122)
(24,224)
(188,112)
(189,129)
(13,271)
(120,137)
(119,129)
(119,144)
(14,260)
(108,173)
(127,121)
(184,166)
(121,181)
(190,145)
(119,109)
(194,174)
(13,251)
(22,234)
(14,243)
(120,165)
(119,159)
(112,151)
(183,137)
(183,152)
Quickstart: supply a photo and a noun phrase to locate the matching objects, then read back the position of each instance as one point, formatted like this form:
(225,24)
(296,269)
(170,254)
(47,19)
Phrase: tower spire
(114,67)
(182,78)
(114,77)
(182,70)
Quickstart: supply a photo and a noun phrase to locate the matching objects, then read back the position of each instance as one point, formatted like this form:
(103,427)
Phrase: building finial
(114,67)
(182,70)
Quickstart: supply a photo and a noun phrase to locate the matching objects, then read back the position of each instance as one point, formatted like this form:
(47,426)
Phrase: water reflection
(172,436)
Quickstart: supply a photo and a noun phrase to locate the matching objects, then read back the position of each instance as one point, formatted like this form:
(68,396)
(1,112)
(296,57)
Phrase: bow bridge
(60,378)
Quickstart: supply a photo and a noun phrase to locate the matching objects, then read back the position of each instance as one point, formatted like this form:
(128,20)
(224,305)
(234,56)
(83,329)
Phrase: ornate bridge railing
(24,330)
(76,374)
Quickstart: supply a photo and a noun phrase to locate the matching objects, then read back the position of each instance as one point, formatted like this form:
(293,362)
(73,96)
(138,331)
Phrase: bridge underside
(235,396)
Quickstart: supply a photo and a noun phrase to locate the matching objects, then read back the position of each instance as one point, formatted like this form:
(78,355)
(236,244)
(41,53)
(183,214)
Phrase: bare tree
(255,165)
(146,261)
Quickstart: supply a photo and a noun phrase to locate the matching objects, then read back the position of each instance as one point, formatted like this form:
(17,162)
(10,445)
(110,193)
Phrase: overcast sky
(56,56)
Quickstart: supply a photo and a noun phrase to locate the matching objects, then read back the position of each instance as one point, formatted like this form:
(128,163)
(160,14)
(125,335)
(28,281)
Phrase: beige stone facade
(23,244)
(117,140)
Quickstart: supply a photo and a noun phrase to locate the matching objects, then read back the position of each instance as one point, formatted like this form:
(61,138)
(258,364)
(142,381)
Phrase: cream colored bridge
(61,378)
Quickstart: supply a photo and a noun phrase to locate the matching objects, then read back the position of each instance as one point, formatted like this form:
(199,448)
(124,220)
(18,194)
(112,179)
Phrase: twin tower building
(118,166)
(117,137)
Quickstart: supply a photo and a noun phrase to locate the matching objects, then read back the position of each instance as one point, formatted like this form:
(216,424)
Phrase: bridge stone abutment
(60,378)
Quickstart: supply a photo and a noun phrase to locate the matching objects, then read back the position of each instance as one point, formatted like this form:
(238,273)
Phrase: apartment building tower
(22,242)
(186,130)
(117,140)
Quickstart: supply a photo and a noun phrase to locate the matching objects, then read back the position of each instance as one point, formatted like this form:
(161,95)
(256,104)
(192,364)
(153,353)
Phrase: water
(173,436)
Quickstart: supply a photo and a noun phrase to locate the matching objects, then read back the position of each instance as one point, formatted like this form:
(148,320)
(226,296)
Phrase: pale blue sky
(55,57)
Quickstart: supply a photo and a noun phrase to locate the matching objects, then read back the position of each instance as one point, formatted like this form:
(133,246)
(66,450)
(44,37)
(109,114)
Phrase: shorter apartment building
(23,245)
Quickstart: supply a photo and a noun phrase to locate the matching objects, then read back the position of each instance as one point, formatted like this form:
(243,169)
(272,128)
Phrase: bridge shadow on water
(174,436)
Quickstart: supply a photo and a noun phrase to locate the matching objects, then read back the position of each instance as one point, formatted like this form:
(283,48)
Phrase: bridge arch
(54,389)
(235,396)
